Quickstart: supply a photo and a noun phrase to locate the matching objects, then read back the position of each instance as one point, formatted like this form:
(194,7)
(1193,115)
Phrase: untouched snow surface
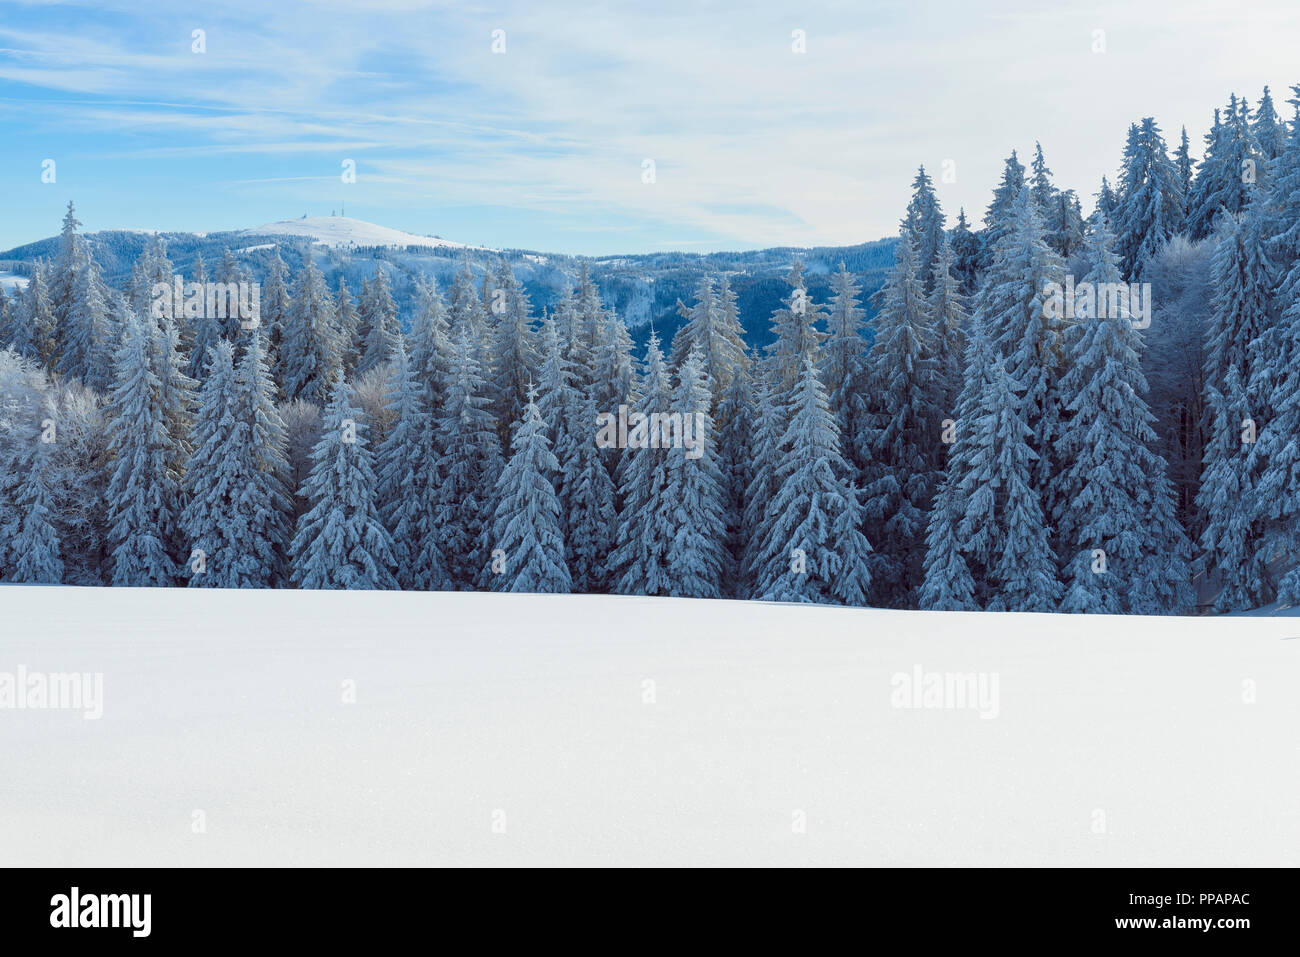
(522,730)
(345,231)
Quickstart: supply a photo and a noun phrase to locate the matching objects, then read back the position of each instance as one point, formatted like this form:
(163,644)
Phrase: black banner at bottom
(1169,907)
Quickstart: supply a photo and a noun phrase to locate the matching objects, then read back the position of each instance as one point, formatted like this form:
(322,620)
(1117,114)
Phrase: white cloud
(752,142)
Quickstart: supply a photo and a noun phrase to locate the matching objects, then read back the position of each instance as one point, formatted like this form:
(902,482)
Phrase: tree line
(968,447)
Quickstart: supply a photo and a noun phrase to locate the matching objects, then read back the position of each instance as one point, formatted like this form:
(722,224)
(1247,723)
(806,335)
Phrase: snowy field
(600,730)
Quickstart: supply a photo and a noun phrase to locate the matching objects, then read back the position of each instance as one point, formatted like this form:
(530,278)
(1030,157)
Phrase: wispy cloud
(753,143)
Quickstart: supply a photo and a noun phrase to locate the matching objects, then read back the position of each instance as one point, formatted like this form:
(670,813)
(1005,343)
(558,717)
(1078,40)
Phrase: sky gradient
(543,146)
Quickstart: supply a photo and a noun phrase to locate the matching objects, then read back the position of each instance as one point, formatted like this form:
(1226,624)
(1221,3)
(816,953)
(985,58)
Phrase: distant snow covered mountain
(642,288)
(346,232)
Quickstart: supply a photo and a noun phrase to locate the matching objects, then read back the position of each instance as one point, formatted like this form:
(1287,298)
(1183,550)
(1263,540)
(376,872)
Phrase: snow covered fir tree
(1051,412)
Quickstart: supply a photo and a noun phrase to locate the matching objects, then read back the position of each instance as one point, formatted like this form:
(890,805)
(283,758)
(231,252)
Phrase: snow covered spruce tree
(341,542)
(66,262)
(702,315)
(1107,203)
(430,345)
(990,510)
(1268,129)
(263,508)
(572,326)
(6,318)
(1227,490)
(950,582)
(36,311)
(471,463)
(555,386)
(736,434)
(1041,189)
(1120,546)
(591,315)
(348,323)
(947,306)
(640,561)
(15,330)
(814,551)
(924,222)
(274,305)
(407,490)
(764,450)
(234,519)
(467,313)
(1232,168)
(583,486)
(733,328)
(948,585)
(573,344)
(1242,308)
(904,442)
(24,405)
(87,334)
(527,541)
(987,539)
(1064,223)
(143,491)
(151,269)
(66,420)
(1276,368)
(1237,402)
(1183,163)
(587,495)
(1002,529)
(713,330)
(1276,498)
(796,341)
(514,351)
(230,271)
(1014,306)
(697,556)
(35,548)
(966,254)
(796,336)
(1023,569)
(1281,212)
(177,393)
(612,370)
(205,331)
(309,358)
(1151,201)
(212,478)
(378,316)
(997,218)
(844,363)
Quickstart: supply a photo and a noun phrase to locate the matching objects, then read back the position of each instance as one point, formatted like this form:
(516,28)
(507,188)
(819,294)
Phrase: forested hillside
(1051,412)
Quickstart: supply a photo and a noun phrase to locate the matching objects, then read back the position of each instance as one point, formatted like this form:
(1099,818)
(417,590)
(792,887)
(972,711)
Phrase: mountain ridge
(643,288)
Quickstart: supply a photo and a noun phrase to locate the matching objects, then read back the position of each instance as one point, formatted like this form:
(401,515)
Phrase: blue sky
(543,146)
